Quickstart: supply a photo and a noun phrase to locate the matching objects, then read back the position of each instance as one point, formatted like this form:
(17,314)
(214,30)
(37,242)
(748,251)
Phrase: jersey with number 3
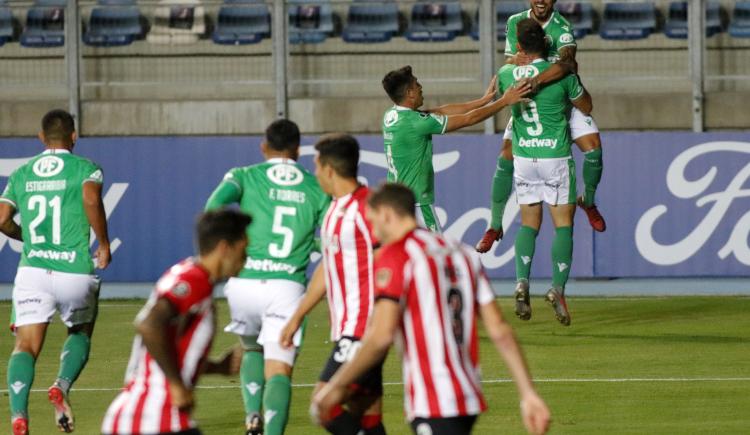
(407,138)
(540,126)
(47,191)
(287,205)
(440,286)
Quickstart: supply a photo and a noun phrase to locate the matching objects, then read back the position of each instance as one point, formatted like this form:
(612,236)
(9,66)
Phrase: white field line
(487,381)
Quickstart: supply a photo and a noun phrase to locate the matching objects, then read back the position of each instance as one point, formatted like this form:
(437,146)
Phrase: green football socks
(592,174)
(276,400)
(20,378)
(75,354)
(525,246)
(562,256)
(502,185)
(252,379)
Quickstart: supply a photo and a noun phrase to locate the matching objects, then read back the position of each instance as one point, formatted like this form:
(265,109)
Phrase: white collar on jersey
(280,160)
(56,151)
(397,107)
(537,60)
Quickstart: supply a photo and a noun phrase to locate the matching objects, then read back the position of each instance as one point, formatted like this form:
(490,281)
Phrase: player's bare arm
(536,415)
(228,364)
(152,328)
(461,108)
(375,344)
(511,96)
(94,208)
(7,225)
(584,103)
(565,65)
(316,290)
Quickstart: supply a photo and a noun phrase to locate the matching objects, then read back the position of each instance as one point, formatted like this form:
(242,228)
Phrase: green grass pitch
(672,365)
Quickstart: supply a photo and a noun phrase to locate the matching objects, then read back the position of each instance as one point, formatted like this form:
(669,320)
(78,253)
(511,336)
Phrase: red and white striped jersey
(348,245)
(440,285)
(144,405)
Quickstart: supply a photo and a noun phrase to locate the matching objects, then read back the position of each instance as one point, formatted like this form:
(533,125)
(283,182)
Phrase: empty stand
(635,20)
(677,20)
(435,22)
(580,15)
(113,23)
(45,24)
(242,22)
(740,25)
(6,23)
(370,21)
(310,22)
(178,22)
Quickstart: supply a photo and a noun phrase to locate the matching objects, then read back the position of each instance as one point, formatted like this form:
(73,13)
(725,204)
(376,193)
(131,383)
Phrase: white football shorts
(545,180)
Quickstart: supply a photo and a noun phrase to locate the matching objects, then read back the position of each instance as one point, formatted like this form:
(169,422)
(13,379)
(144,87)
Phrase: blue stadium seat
(435,22)
(740,25)
(116,22)
(677,21)
(242,22)
(580,15)
(310,22)
(370,21)
(6,23)
(503,10)
(45,24)
(635,20)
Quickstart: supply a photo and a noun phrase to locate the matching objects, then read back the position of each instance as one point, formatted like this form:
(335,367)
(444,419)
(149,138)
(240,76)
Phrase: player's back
(540,127)
(443,280)
(287,205)
(47,191)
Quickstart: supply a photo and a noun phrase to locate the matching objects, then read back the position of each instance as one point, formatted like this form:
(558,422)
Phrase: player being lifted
(58,195)
(407,133)
(544,170)
(430,292)
(345,276)
(175,330)
(561,52)
(287,206)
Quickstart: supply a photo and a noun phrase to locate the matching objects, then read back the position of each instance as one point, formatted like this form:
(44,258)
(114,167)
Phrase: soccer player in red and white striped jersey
(346,277)
(175,332)
(429,291)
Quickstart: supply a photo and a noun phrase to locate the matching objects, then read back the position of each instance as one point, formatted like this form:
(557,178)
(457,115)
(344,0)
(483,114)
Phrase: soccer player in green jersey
(287,205)
(561,52)
(544,170)
(58,196)
(407,133)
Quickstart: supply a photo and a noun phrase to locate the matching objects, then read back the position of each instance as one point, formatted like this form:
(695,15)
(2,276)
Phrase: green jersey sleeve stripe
(92,180)
(572,44)
(233,182)
(8,201)
(445,124)
(580,94)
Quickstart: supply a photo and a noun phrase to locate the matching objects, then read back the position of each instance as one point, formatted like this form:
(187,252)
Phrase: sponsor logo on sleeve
(390,118)
(566,38)
(383,277)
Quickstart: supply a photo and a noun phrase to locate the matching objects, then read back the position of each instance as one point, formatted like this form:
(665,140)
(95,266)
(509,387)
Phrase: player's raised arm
(461,108)
(229,191)
(511,96)
(94,208)
(564,66)
(534,411)
(316,289)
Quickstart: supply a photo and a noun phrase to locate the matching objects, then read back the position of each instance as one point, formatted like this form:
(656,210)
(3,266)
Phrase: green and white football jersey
(287,205)
(558,30)
(540,127)
(48,193)
(407,137)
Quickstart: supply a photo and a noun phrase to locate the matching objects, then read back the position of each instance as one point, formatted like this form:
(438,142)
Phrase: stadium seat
(242,22)
(114,23)
(310,22)
(45,24)
(6,23)
(178,22)
(503,10)
(580,15)
(740,25)
(371,21)
(677,21)
(435,22)
(636,20)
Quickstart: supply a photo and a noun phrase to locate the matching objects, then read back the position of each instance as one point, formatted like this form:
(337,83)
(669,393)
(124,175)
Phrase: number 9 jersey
(287,205)
(47,191)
